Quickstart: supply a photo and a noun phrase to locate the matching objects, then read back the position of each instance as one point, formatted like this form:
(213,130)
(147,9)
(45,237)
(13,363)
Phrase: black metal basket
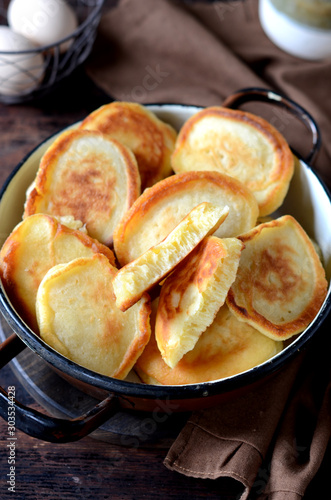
(48,64)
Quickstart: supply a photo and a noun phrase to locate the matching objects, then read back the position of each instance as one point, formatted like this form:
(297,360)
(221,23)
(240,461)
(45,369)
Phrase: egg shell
(20,73)
(44,22)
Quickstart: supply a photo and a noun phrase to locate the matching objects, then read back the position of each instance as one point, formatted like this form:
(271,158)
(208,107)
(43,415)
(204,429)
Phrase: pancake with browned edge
(280,284)
(89,176)
(77,316)
(34,246)
(160,208)
(151,139)
(157,262)
(191,296)
(239,144)
(226,348)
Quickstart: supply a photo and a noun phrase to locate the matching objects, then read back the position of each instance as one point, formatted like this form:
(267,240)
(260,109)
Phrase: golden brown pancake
(89,176)
(151,267)
(77,316)
(226,348)
(160,208)
(241,145)
(191,296)
(34,246)
(280,284)
(151,140)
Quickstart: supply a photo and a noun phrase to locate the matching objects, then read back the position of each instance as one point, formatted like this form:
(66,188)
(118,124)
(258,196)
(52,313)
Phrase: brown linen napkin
(198,53)
(273,439)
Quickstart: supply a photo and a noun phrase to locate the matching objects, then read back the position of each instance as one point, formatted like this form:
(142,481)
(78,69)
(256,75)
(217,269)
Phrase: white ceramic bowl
(293,37)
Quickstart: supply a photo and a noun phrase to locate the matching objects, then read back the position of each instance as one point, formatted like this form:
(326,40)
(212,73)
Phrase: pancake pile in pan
(145,250)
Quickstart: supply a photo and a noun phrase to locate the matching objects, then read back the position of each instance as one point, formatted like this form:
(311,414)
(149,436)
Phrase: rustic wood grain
(91,469)
(23,127)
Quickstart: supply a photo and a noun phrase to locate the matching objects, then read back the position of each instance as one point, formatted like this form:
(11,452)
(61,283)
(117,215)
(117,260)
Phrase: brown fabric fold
(304,432)
(273,439)
(198,53)
(233,439)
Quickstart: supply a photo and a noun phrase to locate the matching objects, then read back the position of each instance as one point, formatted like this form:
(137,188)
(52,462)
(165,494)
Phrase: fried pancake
(89,176)
(280,284)
(191,296)
(226,348)
(159,209)
(151,140)
(77,316)
(34,246)
(151,267)
(241,145)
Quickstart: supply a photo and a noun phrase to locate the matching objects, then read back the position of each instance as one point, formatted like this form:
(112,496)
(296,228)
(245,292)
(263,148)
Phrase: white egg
(19,73)
(44,22)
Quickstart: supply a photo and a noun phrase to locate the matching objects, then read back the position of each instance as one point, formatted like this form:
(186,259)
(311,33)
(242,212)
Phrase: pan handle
(38,425)
(271,97)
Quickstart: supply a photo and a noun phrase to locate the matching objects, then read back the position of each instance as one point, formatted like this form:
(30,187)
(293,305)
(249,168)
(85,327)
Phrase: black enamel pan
(308,200)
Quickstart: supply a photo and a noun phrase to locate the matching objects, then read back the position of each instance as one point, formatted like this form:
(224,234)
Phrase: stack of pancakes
(143,248)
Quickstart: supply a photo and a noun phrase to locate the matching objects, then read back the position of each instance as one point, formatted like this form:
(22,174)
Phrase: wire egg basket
(42,68)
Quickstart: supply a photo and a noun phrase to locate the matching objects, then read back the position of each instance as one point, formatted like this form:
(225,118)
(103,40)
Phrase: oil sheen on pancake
(241,145)
(151,140)
(77,316)
(280,284)
(89,176)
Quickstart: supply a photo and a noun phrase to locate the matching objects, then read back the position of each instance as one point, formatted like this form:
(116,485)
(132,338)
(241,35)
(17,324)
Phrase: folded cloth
(200,53)
(271,440)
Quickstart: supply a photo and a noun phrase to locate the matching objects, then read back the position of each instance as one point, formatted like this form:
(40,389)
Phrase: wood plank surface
(91,469)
